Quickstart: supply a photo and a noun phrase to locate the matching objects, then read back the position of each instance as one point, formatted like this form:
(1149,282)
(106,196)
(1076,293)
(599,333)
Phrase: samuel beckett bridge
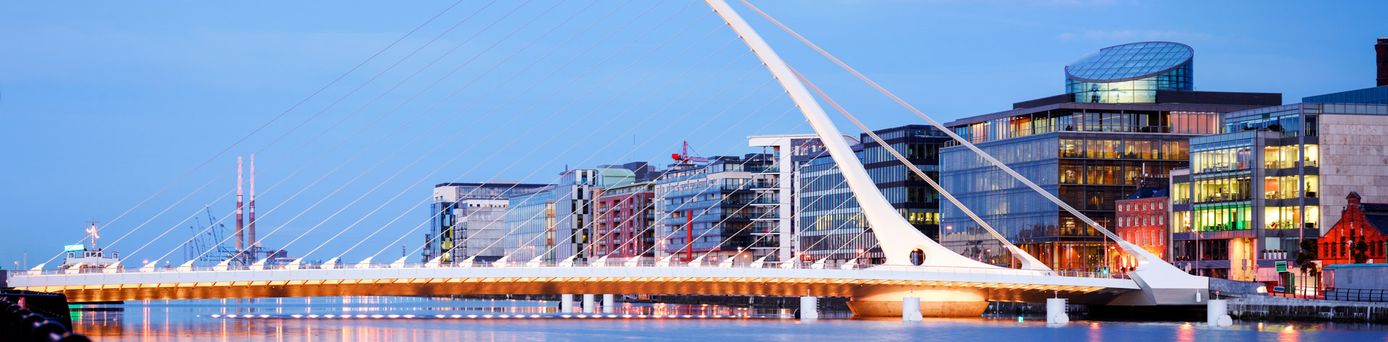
(918,278)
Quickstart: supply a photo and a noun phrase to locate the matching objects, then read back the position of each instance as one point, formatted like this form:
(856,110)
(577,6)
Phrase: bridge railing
(645,263)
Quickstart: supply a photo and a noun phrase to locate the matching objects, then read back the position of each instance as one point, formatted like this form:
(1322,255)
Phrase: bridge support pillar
(1055,312)
(911,309)
(1217,313)
(809,309)
(609,303)
(566,303)
(588,306)
(888,302)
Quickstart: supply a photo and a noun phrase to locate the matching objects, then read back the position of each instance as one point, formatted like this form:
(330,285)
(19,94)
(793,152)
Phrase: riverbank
(1269,308)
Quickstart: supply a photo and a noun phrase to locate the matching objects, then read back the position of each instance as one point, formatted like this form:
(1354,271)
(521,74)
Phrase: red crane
(685,156)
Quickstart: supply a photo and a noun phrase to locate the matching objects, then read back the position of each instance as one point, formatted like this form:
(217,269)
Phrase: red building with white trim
(1366,222)
(624,218)
(1142,220)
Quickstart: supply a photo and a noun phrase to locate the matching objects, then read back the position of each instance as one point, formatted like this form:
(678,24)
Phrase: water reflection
(290,321)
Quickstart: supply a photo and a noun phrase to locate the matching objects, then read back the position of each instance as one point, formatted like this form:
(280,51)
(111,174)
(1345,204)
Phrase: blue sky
(104,104)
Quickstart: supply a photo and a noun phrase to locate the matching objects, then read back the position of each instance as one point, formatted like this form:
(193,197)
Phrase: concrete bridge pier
(911,309)
(588,306)
(1217,313)
(566,303)
(1055,312)
(892,302)
(609,303)
(809,309)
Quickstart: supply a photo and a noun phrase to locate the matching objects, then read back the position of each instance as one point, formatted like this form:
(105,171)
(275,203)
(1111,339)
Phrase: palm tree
(1305,260)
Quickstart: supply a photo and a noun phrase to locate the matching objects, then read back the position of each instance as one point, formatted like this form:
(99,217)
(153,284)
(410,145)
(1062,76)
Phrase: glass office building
(467,220)
(1131,73)
(1276,176)
(1088,147)
(530,223)
(831,224)
(912,196)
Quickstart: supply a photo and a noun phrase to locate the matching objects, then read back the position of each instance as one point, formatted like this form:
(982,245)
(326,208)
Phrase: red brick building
(623,219)
(1142,220)
(1366,222)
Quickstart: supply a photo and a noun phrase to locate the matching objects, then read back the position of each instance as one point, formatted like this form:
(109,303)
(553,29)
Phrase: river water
(428,319)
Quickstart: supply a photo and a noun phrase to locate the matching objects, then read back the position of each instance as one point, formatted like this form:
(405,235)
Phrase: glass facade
(1237,209)
(1255,191)
(467,220)
(1017,212)
(1091,147)
(1089,171)
(831,225)
(1131,73)
(531,223)
(908,193)
(1025,124)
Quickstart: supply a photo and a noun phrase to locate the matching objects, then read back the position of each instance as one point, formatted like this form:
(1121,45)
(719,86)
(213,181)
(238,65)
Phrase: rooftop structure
(1131,73)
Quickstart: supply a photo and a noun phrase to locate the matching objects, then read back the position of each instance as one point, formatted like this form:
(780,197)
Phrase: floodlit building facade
(1253,193)
(1128,113)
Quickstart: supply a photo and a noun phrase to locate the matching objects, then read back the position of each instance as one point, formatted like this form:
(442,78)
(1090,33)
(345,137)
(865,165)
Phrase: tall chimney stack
(1382,49)
(250,236)
(240,223)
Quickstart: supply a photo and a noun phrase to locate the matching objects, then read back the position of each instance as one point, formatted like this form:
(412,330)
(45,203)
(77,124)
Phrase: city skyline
(110,124)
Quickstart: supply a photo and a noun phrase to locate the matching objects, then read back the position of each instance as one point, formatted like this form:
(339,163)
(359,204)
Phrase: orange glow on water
(1185,333)
(1288,333)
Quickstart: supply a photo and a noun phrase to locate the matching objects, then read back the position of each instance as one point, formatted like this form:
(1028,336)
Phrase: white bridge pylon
(898,237)
(1162,283)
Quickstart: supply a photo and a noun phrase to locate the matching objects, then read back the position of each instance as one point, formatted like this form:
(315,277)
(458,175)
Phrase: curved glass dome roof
(1130,61)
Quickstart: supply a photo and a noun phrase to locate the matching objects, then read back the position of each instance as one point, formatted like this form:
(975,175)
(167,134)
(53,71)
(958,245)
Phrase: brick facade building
(623,221)
(1142,220)
(1365,222)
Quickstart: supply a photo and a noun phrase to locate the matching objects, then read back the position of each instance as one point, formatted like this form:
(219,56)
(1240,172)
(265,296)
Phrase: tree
(1306,260)
(1359,250)
(1306,255)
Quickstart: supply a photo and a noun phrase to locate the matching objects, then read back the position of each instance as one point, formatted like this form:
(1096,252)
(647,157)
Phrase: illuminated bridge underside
(561,280)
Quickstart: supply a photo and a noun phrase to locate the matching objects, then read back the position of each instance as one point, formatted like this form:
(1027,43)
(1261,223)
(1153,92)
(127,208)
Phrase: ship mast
(93,234)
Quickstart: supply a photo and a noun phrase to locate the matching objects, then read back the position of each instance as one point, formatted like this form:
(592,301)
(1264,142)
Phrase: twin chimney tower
(246,244)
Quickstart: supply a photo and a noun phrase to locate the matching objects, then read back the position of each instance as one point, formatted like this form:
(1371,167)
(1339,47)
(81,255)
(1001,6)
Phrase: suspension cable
(802,144)
(964,142)
(421,158)
(274,119)
(354,157)
(644,77)
(1022,257)
(754,242)
(476,165)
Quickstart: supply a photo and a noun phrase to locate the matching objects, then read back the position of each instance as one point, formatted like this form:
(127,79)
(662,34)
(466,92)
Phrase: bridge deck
(1000,285)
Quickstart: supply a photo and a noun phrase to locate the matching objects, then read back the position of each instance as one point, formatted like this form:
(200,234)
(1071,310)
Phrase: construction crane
(686,156)
(209,238)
